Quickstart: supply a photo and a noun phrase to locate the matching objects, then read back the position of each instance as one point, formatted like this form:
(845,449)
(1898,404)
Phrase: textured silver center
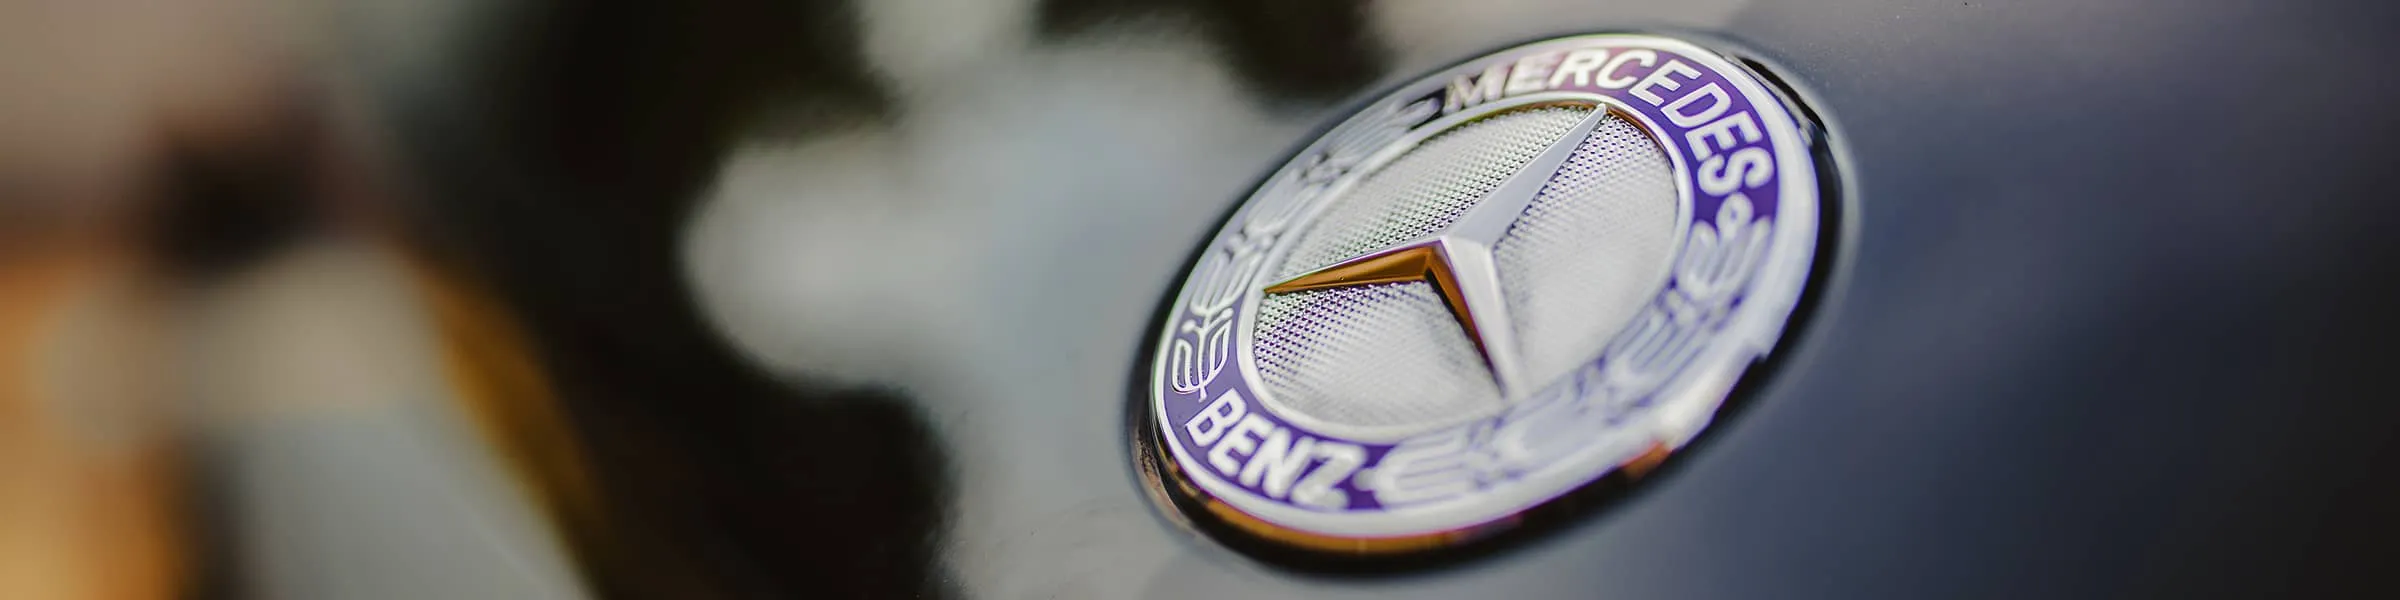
(1574,268)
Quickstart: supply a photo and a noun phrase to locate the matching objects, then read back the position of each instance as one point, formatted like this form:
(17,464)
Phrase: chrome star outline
(1457,260)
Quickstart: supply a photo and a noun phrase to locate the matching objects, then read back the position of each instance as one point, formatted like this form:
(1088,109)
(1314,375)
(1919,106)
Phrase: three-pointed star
(1458,259)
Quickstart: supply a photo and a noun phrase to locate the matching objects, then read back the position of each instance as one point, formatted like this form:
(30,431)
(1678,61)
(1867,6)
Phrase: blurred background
(310,299)
(554,299)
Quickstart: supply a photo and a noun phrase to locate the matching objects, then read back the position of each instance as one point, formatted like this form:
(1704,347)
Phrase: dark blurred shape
(223,206)
(559,178)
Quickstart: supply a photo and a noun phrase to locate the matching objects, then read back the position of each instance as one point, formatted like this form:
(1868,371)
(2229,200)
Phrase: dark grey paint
(2107,319)
(2108,323)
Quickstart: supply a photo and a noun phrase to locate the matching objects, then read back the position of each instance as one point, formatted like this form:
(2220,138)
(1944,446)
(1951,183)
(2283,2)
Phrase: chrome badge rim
(1269,450)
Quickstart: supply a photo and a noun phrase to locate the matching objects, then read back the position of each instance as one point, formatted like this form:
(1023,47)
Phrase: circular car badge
(1493,287)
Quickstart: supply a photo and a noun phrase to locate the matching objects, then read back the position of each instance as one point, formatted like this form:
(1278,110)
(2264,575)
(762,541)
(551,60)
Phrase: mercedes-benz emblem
(1485,291)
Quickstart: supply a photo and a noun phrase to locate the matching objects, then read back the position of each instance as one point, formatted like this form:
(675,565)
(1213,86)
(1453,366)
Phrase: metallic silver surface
(1590,250)
(1739,268)
(1462,252)
(1555,250)
(1372,356)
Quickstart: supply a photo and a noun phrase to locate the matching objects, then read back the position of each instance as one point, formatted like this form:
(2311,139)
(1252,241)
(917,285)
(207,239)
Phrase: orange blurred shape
(87,484)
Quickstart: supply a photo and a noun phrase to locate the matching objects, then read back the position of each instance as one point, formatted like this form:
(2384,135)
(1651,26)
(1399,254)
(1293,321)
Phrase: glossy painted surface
(2103,328)
(2107,316)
